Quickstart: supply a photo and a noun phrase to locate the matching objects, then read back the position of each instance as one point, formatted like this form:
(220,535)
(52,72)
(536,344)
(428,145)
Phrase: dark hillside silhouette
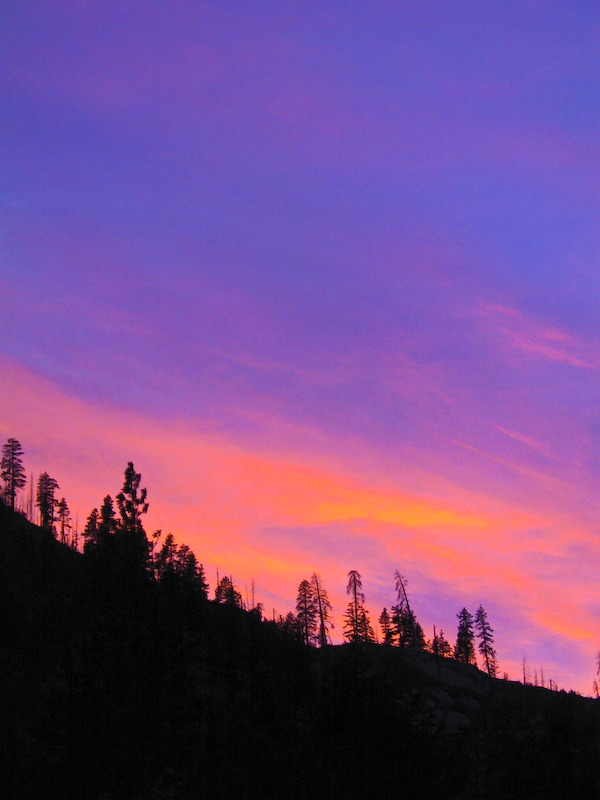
(147,689)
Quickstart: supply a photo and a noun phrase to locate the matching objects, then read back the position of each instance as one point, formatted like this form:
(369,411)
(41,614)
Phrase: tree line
(313,621)
(54,513)
(114,539)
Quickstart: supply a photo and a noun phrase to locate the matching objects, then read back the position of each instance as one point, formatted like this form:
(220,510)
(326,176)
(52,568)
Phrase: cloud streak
(526,335)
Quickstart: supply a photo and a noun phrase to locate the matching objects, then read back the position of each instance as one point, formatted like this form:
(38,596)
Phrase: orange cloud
(276,517)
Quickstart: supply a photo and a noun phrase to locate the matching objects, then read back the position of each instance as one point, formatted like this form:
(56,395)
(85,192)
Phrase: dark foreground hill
(111,690)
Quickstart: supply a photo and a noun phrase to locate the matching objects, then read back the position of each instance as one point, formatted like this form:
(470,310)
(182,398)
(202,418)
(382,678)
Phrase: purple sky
(328,273)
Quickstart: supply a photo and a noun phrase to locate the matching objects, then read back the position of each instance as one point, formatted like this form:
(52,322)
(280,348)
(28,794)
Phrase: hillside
(140,690)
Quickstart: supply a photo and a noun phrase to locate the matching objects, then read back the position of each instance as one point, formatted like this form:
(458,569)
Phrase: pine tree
(186,564)
(385,623)
(12,470)
(201,582)
(131,504)
(306,611)
(485,634)
(408,632)
(64,519)
(365,629)
(156,536)
(290,626)
(227,593)
(165,559)
(357,627)
(178,566)
(464,649)
(30,504)
(107,524)
(130,538)
(75,534)
(441,645)
(45,501)
(323,609)
(90,533)
(405,629)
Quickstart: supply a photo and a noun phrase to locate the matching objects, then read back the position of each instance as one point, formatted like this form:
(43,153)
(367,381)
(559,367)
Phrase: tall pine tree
(12,470)
(64,519)
(90,534)
(385,623)
(357,627)
(464,649)
(405,629)
(132,545)
(46,501)
(485,635)
(226,592)
(323,609)
(306,612)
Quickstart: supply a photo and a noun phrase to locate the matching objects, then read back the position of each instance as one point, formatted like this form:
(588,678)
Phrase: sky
(328,274)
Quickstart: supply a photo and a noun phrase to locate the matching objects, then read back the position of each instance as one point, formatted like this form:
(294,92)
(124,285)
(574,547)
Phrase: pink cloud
(526,335)
(533,444)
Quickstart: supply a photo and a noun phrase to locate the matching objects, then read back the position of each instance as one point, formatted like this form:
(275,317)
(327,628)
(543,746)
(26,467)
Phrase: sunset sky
(328,273)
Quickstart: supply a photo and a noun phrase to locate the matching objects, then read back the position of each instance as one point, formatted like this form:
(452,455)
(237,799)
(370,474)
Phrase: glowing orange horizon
(250,513)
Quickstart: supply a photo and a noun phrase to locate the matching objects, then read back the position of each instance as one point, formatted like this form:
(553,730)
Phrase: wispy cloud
(527,335)
(515,466)
(529,442)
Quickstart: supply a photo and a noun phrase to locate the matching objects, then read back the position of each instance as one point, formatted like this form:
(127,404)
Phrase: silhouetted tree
(178,566)
(227,593)
(190,571)
(290,626)
(596,684)
(165,559)
(46,501)
(464,649)
(306,612)
(365,629)
(202,583)
(107,524)
(131,504)
(357,627)
(441,645)
(130,537)
(64,519)
(153,544)
(100,535)
(12,470)
(90,533)
(75,536)
(323,608)
(407,632)
(485,634)
(385,623)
